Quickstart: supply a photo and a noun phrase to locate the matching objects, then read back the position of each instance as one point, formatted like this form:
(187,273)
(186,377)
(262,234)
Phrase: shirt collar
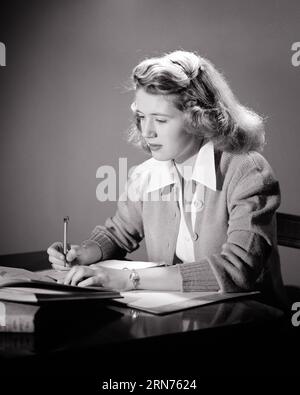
(205,169)
(163,173)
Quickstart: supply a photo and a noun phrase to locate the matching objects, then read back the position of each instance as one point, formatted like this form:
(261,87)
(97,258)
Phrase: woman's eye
(161,120)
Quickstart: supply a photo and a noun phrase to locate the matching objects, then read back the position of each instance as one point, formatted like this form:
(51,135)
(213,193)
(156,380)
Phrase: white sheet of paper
(153,299)
(160,302)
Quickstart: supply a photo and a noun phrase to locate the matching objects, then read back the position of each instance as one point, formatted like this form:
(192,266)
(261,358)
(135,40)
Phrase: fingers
(73,253)
(69,276)
(83,276)
(57,258)
(77,255)
(91,282)
(55,250)
(77,274)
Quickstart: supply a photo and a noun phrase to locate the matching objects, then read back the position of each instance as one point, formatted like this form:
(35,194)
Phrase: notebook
(20,285)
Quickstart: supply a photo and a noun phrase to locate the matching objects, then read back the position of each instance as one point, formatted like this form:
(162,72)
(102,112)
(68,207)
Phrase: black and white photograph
(150,206)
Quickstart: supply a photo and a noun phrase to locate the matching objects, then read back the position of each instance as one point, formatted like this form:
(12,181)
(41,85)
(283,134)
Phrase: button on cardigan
(235,248)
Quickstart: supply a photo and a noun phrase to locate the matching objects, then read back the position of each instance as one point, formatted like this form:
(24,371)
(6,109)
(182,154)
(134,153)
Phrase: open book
(20,285)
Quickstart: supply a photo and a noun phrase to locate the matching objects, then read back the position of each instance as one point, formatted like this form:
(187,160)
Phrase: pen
(65,243)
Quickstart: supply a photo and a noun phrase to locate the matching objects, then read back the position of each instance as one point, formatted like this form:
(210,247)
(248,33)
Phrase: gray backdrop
(65,108)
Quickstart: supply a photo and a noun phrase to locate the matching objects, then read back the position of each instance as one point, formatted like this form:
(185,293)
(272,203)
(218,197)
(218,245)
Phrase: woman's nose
(148,129)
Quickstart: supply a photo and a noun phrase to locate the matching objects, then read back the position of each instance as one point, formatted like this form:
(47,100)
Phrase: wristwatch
(135,278)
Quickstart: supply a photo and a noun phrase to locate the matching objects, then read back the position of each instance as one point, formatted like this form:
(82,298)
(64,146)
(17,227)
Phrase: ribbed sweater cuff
(198,276)
(106,245)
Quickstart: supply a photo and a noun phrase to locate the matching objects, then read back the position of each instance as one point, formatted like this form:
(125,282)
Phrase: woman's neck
(185,167)
(190,152)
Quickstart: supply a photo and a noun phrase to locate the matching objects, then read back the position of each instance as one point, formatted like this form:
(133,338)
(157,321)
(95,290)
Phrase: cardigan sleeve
(122,232)
(253,195)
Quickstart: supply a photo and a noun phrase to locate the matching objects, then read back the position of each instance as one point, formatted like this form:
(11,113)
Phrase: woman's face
(162,127)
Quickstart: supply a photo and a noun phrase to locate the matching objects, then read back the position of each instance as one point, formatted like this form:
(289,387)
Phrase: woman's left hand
(85,276)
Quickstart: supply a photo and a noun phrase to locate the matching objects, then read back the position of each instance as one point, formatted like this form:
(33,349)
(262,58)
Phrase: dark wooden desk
(234,337)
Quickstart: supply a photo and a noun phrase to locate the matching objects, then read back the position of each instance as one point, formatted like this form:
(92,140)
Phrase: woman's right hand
(85,254)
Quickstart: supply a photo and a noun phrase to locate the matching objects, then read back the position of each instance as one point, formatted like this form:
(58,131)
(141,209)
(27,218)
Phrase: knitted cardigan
(235,244)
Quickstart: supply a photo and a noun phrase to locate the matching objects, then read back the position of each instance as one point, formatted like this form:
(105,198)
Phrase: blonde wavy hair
(201,92)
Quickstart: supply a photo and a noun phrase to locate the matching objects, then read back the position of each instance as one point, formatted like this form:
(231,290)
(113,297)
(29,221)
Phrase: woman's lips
(154,147)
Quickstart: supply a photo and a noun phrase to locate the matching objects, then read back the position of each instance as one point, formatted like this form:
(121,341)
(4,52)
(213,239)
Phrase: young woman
(205,202)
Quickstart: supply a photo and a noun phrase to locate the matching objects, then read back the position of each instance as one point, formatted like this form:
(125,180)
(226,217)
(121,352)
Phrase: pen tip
(66,219)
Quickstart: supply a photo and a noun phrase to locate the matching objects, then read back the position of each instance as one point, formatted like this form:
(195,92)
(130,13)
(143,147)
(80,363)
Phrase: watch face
(135,278)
